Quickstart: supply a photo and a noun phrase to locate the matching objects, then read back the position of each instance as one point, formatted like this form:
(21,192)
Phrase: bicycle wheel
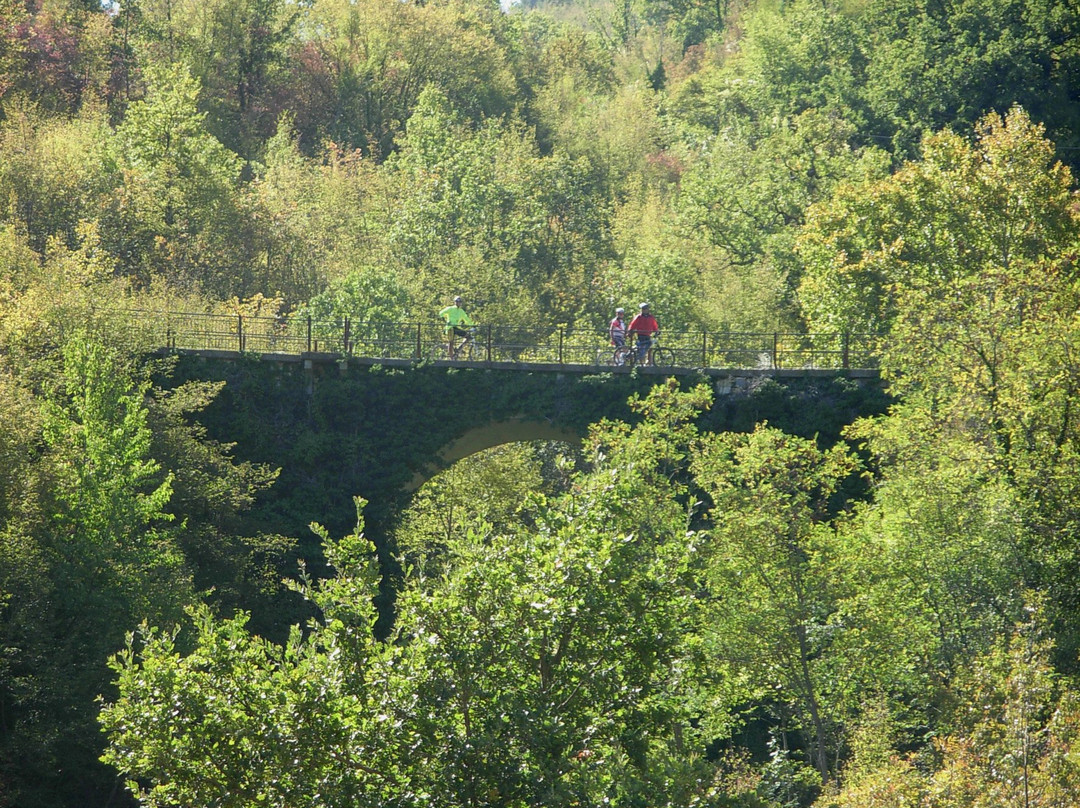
(623,356)
(467,352)
(663,358)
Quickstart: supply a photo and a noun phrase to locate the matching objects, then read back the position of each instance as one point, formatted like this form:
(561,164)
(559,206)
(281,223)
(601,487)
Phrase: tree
(369,62)
(22,569)
(59,53)
(940,560)
(51,174)
(1012,740)
(689,22)
(318,220)
(237,51)
(486,491)
(96,466)
(250,722)
(751,189)
(965,210)
(572,72)
(772,581)
(480,211)
(176,210)
(621,133)
(758,165)
(936,65)
(100,556)
(375,303)
(974,278)
(804,55)
(108,487)
(211,493)
(12,48)
(1017,740)
(656,266)
(543,663)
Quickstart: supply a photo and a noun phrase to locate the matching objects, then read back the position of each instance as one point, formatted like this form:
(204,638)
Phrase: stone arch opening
(514,430)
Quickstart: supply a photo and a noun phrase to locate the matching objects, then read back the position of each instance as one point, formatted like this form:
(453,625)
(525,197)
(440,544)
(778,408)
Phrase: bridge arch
(487,436)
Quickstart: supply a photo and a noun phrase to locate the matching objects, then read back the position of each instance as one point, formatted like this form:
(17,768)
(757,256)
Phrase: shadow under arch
(513,430)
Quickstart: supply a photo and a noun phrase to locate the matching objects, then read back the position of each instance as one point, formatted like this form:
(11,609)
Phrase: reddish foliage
(310,94)
(665,166)
(52,61)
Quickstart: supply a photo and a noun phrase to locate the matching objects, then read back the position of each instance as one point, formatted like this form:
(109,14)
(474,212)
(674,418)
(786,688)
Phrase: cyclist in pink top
(645,327)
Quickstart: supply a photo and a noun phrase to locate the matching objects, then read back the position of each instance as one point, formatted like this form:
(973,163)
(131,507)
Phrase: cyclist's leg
(457,332)
(643,348)
(617,352)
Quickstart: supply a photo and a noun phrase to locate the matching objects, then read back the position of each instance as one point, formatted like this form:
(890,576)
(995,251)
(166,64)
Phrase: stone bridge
(344,427)
(341,427)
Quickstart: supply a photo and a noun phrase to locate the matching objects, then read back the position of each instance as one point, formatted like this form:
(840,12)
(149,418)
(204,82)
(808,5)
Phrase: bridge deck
(311,359)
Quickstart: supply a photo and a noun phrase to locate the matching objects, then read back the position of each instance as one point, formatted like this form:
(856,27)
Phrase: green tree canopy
(966,210)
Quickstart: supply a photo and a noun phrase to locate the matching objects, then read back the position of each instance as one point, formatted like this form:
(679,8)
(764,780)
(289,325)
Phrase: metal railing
(497,343)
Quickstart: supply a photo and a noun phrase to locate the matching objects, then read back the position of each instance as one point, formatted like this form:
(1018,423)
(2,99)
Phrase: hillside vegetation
(663,618)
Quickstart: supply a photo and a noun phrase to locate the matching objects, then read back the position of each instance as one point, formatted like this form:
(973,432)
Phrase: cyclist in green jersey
(456,318)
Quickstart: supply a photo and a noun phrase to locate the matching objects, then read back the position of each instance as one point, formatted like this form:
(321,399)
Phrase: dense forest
(659,616)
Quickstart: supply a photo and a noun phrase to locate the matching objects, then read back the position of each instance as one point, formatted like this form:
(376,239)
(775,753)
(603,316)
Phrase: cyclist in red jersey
(645,327)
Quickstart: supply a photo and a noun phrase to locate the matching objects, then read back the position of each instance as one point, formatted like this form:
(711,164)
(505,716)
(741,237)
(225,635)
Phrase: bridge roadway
(321,360)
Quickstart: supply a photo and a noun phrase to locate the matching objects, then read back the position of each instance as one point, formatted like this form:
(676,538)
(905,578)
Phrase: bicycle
(464,351)
(657,357)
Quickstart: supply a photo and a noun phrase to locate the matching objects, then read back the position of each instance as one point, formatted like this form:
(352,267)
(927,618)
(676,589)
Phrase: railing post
(845,358)
(561,332)
(419,341)
(704,349)
(309,333)
(240,332)
(488,329)
(775,351)
(347,351)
